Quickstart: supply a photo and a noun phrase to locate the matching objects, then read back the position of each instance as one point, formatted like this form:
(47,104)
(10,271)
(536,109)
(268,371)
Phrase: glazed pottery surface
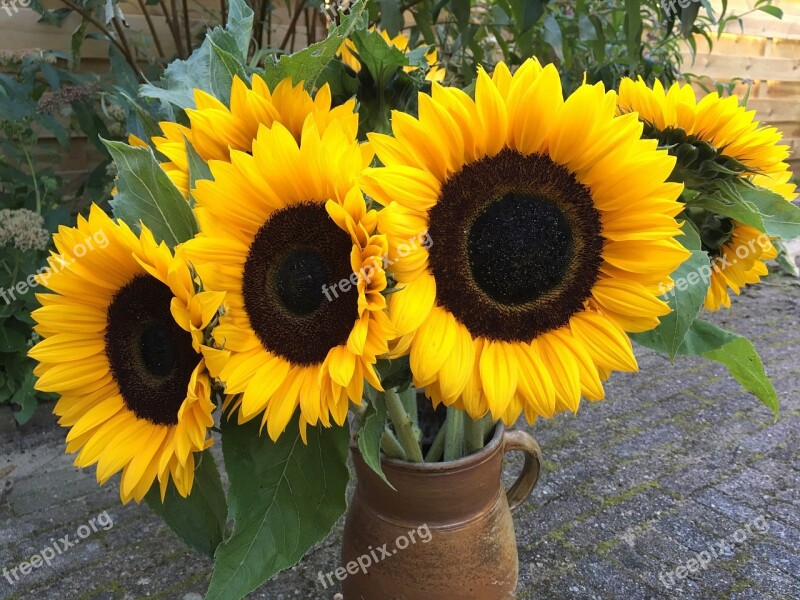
(444,533)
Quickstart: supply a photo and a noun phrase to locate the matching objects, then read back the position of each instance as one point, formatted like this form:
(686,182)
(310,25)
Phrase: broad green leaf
(757,207)
(340,80)
(141,123)
(370,433)
(285,496)
(181,77)
(781,218)
(382,60)
(685,299)
(198,168)
(146,194)
(391,17)
(224,65)
(395,373)
(735,352)
(199,519)
(240,25)
(308,64)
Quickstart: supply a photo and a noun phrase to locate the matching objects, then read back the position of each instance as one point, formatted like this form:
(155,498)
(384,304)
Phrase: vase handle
(517,440)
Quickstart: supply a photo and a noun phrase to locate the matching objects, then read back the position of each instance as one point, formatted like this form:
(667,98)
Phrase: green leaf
(461,12)
(586,28)
(308,64)
(180,79)
(25,398)
(735,352)
(685,299)
(391,17)
(552,35)
(198,168)
(633,32)
(382,60)
(786,260)
(199,519)
(285,496)
(13,335)
(340,80)
(772,10)
(765,210)
(781,218)
(206,68)
(424,20)
(224,65)
(240,25)
(142,124)
(146,194)
(688,16)
(599,46)
(76,41)
(370,433)
(395,373)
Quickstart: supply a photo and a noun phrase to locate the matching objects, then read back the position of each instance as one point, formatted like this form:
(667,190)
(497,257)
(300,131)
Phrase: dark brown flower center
(297,289)
(151,357)
(517,246)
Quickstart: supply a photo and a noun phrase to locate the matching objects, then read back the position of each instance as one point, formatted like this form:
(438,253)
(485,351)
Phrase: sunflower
(215,129)
(737,262)
(302,266)
(349,55)
(738,142)
(551,228)
(123,341)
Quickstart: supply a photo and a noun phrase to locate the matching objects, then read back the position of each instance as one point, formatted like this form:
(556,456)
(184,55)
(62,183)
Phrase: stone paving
(678,467)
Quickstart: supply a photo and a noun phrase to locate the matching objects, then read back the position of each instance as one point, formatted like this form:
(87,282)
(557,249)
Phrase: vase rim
(466,462)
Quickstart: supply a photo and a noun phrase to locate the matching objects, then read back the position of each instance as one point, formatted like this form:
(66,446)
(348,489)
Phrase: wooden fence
(764,51)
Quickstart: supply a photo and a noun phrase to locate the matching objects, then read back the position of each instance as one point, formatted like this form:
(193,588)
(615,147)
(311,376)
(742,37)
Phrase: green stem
(359,410)
(403,425)
(391,447)
(437,448)
(35,182)
(409,398)
(474,434)
(454,434)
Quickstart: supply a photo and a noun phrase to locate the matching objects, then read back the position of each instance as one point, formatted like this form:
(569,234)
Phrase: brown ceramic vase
(444,533)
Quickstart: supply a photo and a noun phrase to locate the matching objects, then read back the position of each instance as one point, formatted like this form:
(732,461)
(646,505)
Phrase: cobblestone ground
(677,462)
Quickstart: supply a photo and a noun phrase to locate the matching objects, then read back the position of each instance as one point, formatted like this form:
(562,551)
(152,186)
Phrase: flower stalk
(454,434)
(403,425)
